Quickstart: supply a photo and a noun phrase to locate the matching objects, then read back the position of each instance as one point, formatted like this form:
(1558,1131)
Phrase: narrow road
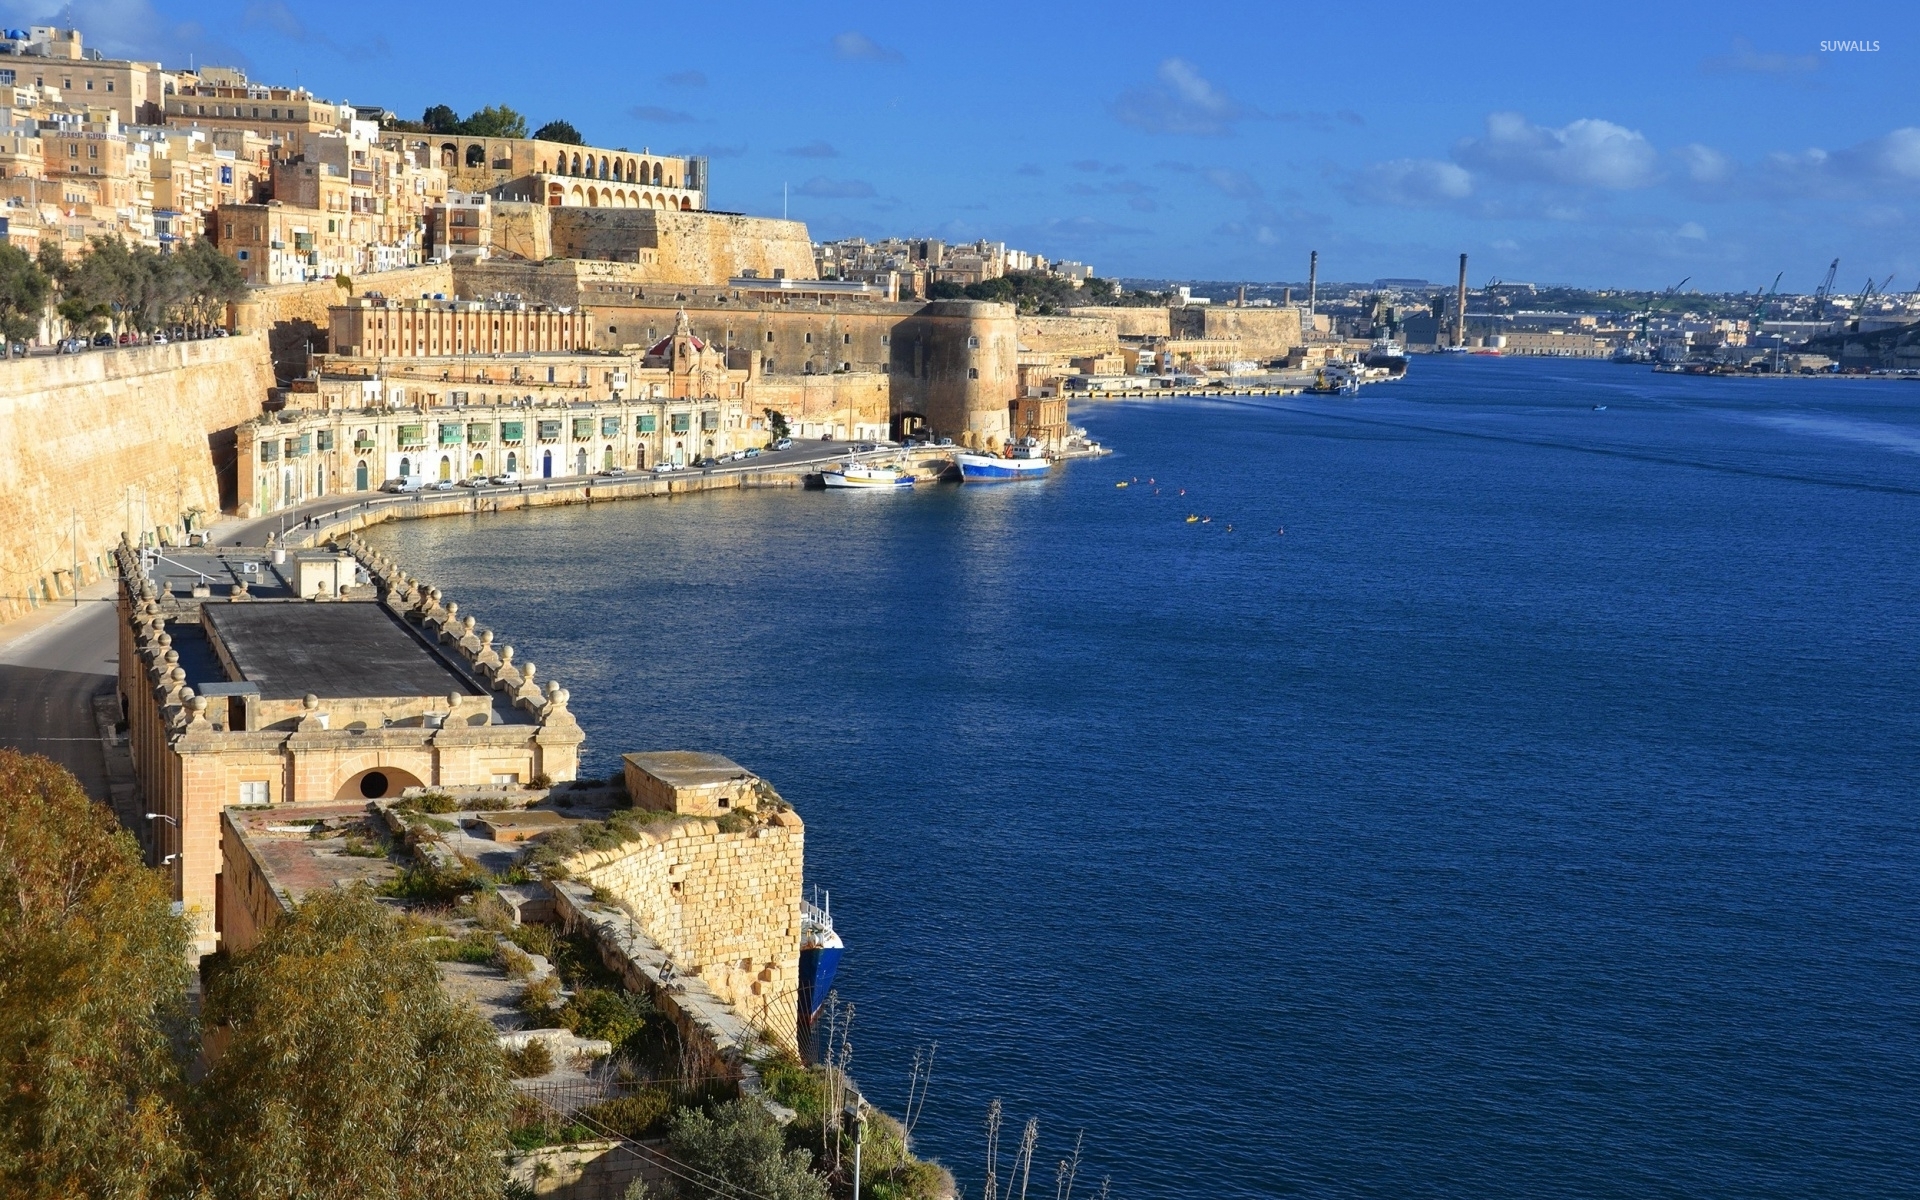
(49,676)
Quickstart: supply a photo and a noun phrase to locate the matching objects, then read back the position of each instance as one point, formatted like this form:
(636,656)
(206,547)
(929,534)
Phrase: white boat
(859,475)
(1024,460)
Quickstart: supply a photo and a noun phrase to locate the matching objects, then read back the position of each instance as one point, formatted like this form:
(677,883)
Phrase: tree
(349,1073)
(214,281)
(559,131)
(441,119)
(495,122)
(777,424)
(93,980)
(742,1146)
(946,289)
(24,289)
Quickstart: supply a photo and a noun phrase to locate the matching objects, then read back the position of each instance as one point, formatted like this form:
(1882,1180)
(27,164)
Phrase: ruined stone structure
(239,691)
(720,893)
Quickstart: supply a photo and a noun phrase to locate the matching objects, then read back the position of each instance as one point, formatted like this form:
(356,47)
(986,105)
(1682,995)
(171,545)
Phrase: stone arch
(360,476)
(546,464)
(580,461)
(449,156)
(476,155)
(377,783)
(640,458)
(513,462)
(593,198)
(631,177)
(575,194)
(446,468)
(686,204)
(642,176)
(604,169)
(406,467)
(479,465)
(576,164)
(606,456)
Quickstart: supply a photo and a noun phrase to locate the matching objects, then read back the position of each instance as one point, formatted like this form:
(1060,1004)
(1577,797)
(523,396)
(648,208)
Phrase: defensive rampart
(684,247)
(1130,322)
(1075,335)
(294,315)
(115,441)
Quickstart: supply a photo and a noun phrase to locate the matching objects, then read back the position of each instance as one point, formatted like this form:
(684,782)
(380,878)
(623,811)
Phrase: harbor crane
(1761,299)
(1824,291)
(1646,314)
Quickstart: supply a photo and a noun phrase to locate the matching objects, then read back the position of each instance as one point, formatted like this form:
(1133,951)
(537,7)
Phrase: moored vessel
(1023,460)
(820,951)
(861,476)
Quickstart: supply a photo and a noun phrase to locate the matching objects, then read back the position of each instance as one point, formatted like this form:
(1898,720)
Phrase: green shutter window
(513,431)
(709,421)
(582,428)
(682,422)
(451,435)
(303,445)
(270,450)
(480,433)
(413,435)
(326,439)
(646,423)
(609,426)
(549,430)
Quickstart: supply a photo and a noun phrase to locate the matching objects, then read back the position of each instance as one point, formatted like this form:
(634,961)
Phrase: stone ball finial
(187,697)
(165,638)
(171,656)
(486,637)
(309,702)
(526,673)
(467,623)
(453,699)
(506,656)
(453,607)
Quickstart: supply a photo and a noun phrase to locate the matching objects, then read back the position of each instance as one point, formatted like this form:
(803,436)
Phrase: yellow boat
(1191,518)
(1122,483)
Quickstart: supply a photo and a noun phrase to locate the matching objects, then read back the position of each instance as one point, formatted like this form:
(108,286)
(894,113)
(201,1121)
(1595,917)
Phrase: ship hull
(984,468)
(818,964)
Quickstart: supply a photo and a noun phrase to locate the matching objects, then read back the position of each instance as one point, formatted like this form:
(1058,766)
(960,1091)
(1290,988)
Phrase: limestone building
(383,327)
(319,677)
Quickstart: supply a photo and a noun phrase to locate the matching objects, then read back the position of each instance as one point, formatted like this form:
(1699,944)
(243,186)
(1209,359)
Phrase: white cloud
(859,47)
(1890,161)
(1703,164)
(1584,153)
(1181,101)
(1693,231)
(1410,183)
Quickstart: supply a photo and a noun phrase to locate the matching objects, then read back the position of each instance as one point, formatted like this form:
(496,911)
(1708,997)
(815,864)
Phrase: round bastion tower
(956,369)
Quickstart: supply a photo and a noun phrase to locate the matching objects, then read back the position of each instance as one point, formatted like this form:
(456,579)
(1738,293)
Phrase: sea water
(1498,796)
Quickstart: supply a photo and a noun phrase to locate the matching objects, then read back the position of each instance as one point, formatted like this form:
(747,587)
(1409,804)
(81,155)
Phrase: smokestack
(1313,282)
(1243,295)
(1460,311)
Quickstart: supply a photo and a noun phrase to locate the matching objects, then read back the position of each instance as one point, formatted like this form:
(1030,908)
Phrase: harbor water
(1534,816)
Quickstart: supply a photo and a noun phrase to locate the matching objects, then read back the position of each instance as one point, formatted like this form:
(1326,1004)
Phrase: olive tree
(346,1072)
(93,976)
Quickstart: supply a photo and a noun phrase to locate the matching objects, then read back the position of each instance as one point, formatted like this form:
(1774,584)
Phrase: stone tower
(955,366)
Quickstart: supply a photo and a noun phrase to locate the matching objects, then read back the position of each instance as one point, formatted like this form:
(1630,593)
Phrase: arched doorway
(580,461)
(376,783)
(546,464)
(513,462)
(360,476)
(640,458)
(446,468)
(479,466)
(406,468)
(607,457)
(319,481)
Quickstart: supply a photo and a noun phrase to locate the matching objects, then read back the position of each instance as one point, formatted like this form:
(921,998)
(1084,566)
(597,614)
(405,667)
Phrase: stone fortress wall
(109,442)
(683,247)
(294,315)
(724,906)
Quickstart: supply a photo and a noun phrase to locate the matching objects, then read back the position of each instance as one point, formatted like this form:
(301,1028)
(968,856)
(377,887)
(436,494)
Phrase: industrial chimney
(1313,284)
(1460,309)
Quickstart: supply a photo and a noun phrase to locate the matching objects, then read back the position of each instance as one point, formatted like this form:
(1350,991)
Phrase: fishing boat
(820,951)
(859,475)
(1334,381)
(1024,460)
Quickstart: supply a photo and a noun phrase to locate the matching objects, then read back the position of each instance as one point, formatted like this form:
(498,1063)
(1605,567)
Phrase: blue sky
(1577,144)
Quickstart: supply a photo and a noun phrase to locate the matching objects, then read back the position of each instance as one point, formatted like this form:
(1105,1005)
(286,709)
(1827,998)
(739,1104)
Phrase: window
(256,791)
(645,423)
(973,343)
(846,339)
(973,372)
(769,335)
(506,779)
(73,149)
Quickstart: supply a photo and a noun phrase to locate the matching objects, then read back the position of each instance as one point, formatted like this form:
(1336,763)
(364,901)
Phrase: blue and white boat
(820,951)
(1025,460)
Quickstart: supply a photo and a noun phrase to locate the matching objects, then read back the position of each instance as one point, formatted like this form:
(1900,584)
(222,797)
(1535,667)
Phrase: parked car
(613,472)
(506,477)
(103,339)
(664,468)
(220,333)
(73,346)
(474,482)
(708,461)
(443,485)
(750,452)
(782,444)
(160,339)
(865,448)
